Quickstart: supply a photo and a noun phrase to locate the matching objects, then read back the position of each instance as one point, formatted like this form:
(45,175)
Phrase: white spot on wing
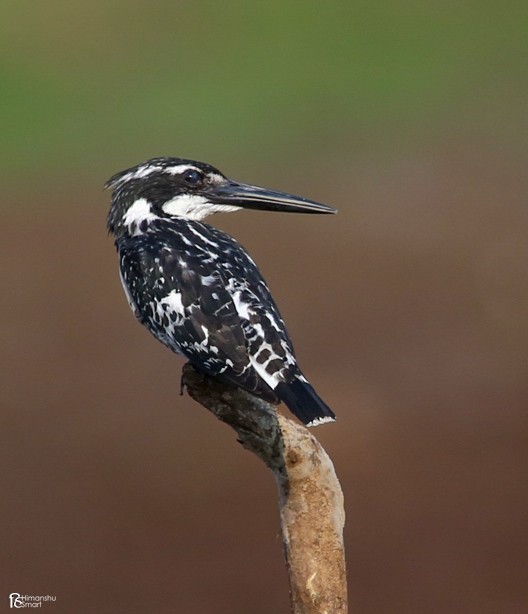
(241,307)
(272,321)
(129,298)
(272,379)
(174,301)
(209,280)
(206,333)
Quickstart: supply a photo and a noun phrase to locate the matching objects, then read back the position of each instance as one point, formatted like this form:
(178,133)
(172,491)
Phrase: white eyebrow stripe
(143,171)
(149,169)
(178,169)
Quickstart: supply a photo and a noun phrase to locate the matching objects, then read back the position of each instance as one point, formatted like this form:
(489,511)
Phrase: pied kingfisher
(196,289)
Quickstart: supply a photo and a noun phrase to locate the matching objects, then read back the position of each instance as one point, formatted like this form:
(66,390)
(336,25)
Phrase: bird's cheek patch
(190,206)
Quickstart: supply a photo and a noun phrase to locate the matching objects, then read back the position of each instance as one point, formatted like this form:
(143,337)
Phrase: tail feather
(304,402)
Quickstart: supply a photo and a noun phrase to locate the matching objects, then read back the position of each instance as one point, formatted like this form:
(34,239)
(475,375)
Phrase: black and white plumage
(196,289)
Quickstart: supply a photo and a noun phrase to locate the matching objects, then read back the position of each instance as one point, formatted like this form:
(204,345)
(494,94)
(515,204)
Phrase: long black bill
(253,197)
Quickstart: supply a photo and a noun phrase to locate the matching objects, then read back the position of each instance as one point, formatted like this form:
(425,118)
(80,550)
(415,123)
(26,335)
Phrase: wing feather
(217,322)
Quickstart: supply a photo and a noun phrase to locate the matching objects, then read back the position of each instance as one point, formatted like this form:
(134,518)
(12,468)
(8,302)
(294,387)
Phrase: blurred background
(408,309)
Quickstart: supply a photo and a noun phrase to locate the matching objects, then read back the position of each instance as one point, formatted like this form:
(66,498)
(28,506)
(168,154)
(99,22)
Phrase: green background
(85,83)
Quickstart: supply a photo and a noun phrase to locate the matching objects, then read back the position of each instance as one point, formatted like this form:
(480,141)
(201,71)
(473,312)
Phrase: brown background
(408,312)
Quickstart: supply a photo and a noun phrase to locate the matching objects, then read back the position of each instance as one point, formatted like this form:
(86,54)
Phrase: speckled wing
(227,328)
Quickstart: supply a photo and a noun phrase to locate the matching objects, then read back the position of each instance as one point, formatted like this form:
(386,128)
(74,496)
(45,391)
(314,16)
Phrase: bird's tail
(304,402)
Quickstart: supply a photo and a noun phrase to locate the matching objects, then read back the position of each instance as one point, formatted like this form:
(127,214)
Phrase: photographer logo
(17,601)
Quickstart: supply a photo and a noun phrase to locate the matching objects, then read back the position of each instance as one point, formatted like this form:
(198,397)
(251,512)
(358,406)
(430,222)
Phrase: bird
(196,289)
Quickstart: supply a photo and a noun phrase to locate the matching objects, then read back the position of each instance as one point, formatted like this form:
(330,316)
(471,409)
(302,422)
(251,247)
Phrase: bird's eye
(192,177)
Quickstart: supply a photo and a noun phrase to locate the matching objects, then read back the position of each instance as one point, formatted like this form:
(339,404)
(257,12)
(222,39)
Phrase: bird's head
(164,188)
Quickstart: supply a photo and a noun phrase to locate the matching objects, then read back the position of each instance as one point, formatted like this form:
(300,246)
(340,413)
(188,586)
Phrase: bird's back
(201,294)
